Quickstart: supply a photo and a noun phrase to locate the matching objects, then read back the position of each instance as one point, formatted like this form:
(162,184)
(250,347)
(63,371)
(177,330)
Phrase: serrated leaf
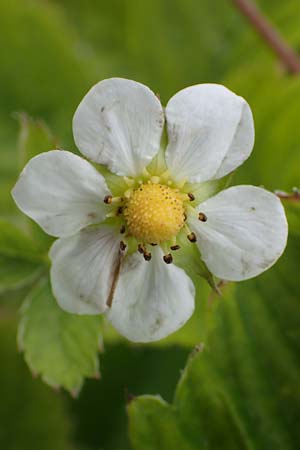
(242,391)
(31,416)
(199,418)
(61,347)
(21,260)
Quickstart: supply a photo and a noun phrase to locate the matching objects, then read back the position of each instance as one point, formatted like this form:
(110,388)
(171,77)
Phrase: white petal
(152,299)
(245,232)
(210,131)
(83,269)
(61,192)
(119,123)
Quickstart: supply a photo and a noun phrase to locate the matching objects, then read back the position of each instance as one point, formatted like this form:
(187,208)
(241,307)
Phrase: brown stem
(270,35)
(294,196)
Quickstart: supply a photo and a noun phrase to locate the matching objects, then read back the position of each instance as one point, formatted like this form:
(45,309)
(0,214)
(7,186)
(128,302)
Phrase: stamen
(191,196)
(108,199)
(122,229)
(175,247)
(147,256)
(202,217)
(192,237)
(168,259)
(122,246)
(120,210)
(190,234)
(141,249)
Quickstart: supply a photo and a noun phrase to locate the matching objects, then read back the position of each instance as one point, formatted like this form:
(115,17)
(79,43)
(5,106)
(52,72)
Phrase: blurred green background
(243,392)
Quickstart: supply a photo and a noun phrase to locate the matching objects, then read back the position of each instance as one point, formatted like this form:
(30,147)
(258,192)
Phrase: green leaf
(21,260)
(34,138)
(242,391)
(61,347)
(31,416)
(199,419)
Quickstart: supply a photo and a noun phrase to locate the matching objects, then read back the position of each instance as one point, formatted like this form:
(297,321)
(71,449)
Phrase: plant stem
(294,196)
(270,35)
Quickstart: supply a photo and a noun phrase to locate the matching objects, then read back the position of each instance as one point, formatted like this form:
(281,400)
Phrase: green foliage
(31,416)
(242,391)
(34,138)
(61,347)
(127,371)
(20,260)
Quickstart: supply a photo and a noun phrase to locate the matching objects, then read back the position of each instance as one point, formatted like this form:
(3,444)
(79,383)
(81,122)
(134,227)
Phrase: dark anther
(122,246)
(192,237)
(175,247)
(202,217)
(153,245)
(108,199)
(184,216)
(191,196)
(122,229)
(168,258)
(147,256)
(141,249)
(120,210)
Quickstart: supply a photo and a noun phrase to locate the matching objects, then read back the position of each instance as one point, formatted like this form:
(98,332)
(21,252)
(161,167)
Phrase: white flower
(240,232)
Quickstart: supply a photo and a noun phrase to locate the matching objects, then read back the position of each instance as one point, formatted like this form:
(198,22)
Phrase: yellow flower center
(154,213)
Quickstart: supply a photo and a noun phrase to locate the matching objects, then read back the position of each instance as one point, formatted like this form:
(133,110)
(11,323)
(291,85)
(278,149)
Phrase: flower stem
(270,35)
(294,196)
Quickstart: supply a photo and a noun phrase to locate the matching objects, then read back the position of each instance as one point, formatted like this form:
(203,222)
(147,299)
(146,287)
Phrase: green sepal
(207,189)
(188,257)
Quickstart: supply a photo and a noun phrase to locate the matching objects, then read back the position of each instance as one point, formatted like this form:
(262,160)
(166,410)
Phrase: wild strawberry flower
(115,248)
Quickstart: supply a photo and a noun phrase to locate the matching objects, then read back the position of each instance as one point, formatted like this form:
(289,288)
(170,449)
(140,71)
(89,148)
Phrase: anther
(141,249)
(153,244)
(147,256)
(192,237)
(168,259)
(120,210)
(202,217)
(108,199)
(175,247)
(191,196)
(184,217)
(122,229)
(122,246)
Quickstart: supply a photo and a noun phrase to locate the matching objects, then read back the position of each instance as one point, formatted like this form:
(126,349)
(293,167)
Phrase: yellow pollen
(154,213)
